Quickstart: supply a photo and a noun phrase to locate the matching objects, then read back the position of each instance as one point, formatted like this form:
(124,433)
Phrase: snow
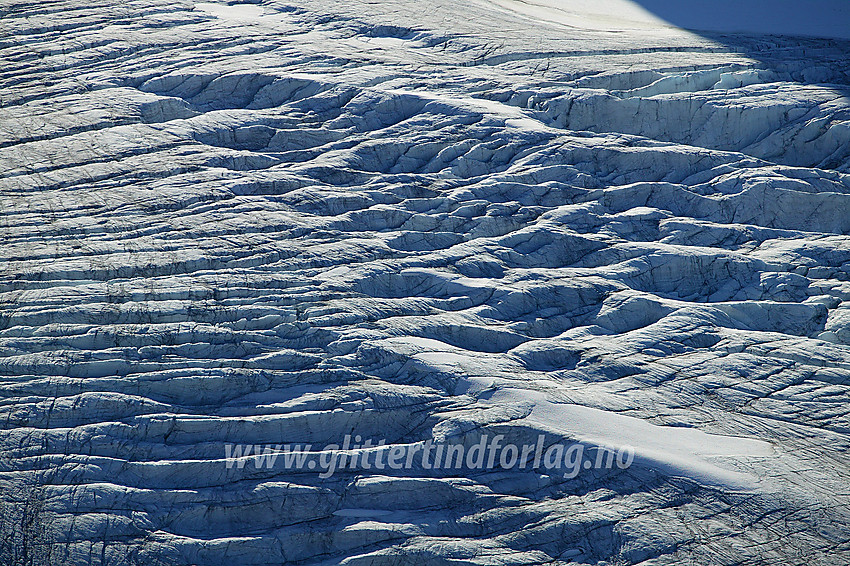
(602,15)
(814,18)
(613,224)
(677,451)
(238,12)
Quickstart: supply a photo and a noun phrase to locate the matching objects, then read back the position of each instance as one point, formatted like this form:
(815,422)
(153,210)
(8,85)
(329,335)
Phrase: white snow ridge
(456,282)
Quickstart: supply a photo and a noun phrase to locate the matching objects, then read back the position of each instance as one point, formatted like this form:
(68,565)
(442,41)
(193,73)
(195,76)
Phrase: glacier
(610,224)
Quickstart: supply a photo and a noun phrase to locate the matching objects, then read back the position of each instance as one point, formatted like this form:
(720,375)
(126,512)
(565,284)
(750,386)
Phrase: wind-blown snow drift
(275,223)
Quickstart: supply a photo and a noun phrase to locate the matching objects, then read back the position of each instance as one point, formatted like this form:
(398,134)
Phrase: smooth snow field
(345,230)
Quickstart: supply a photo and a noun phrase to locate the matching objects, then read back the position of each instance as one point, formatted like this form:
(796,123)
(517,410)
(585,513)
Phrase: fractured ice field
(288,221)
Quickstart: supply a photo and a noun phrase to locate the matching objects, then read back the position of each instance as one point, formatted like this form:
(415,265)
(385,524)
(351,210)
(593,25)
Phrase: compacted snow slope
(278,223)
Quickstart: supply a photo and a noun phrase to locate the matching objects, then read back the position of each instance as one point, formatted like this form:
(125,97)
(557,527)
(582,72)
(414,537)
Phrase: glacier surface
(266,222)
